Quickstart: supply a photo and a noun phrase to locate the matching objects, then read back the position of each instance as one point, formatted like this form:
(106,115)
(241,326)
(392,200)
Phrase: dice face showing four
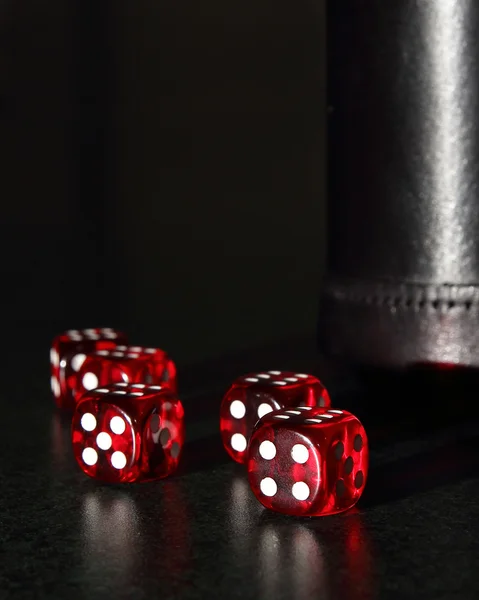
(308,461)
(255,395)
(67,354)
(125,364)
(128,432)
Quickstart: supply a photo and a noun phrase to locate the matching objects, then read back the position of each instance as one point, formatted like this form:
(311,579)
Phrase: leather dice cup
(402,283)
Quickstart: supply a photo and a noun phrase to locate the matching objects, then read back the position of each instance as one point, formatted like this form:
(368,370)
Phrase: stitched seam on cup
(406,296)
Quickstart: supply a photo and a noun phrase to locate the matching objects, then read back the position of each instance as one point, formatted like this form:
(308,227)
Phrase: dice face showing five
(255,395)
(125,364)
(125,433)
(308,461)
(67,354)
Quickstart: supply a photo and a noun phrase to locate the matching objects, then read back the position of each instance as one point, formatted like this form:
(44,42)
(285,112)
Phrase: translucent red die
(68,353)
(125,364)
(308,462)
(252,396)
(128,432)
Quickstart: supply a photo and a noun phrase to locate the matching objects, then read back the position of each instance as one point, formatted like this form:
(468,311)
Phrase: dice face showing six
(123,364)
(255,395)
(67,354)
(128,432)
(308,461)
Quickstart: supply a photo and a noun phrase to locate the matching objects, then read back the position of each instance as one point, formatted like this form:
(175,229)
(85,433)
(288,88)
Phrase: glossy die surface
(254,395)
(68,353)
(128,432)
(308,462)
(125,364)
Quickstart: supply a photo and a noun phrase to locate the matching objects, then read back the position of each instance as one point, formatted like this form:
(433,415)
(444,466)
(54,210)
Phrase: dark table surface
(201,533)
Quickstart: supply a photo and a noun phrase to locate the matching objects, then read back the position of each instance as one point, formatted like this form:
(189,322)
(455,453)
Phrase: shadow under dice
(128,433)
(308,461)
(253,396)
(132,364)
(67,354)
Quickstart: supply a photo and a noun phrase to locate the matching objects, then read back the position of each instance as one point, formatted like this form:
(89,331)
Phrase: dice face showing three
(128,432)
(307,461)
(67,354)
(125,364)
(253,396)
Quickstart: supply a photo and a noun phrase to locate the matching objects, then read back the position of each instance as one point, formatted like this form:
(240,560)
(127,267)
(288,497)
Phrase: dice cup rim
(399,324)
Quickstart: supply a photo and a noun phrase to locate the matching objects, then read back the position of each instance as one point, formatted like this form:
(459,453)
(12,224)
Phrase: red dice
(128,432)
(68,353)
(255,395)
(132,364)
(308,461)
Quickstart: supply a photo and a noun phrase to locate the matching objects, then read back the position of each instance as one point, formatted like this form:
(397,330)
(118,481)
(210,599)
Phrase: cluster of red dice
(303,457)
(128,421)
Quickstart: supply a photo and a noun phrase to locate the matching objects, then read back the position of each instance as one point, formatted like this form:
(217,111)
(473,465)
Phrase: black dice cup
(402,280)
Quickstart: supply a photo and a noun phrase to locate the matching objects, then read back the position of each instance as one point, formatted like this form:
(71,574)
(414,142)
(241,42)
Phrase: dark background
(162,171)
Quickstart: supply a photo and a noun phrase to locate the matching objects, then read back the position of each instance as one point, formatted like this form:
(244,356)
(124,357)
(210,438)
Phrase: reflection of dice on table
(128,432)
(252,396)
(125,364)
(308,461)
(67,354)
